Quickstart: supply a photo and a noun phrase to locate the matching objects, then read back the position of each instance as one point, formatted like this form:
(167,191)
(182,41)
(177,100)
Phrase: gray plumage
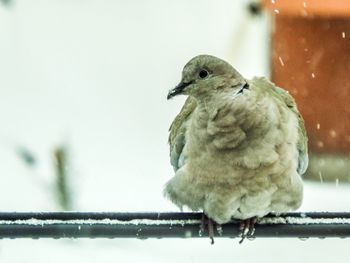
(238,147)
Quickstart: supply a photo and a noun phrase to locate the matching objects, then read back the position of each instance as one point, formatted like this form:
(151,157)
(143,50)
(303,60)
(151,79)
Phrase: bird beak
(178,89)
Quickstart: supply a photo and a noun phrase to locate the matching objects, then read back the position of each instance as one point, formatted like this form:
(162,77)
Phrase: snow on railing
(164,225)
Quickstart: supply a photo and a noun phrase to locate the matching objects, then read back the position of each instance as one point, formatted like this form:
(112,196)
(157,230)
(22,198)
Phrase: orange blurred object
(330,8)
(311,59)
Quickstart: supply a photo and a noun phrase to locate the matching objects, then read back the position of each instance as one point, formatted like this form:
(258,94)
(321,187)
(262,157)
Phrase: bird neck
(209,106)
(215,101)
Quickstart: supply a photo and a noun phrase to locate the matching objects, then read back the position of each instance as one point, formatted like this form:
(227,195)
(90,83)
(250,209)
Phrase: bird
(238,147)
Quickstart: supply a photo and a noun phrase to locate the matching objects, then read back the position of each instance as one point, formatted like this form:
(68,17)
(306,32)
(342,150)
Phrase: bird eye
(203,74)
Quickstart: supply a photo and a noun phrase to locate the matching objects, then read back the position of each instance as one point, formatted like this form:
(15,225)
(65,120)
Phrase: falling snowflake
(320,175)
(320,144)
(333,133)
(281,61)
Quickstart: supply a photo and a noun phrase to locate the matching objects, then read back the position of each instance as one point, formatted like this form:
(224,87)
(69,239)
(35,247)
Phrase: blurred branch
(6,2)
(26,156)
(164,225)
(62,185)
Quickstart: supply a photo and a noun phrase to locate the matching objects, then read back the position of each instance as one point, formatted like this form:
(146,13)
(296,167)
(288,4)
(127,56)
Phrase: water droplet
(251,238)
(276,11)
(303,238)
(304,4)
(343,34)
(313,75)
(337,182)
(200,233)
(219,229)
(318,126)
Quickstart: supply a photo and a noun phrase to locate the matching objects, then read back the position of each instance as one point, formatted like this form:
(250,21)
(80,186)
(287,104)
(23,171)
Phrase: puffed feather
(177,129)
(177,132)
(240,153)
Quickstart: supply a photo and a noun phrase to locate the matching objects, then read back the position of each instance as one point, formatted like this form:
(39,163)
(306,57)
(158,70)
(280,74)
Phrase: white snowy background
(93,75)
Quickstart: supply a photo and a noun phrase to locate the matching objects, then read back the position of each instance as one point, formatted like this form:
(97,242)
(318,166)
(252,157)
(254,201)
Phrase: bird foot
(247,228)
(208,224)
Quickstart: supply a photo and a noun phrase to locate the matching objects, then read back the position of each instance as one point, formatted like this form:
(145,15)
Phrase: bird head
(204,75)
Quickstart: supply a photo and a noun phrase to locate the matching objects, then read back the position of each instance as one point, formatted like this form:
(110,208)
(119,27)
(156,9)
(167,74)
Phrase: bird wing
(303,158)
(177,131)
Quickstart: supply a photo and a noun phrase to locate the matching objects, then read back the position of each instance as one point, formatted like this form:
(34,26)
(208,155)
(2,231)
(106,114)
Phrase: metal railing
(164,225)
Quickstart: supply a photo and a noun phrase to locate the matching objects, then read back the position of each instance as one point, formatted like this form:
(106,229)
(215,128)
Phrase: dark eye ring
(203,73)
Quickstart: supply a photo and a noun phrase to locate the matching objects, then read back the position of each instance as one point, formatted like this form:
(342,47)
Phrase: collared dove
(238,147)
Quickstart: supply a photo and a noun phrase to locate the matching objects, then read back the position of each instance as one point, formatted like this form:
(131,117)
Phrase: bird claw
(208,224)
(247,228)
